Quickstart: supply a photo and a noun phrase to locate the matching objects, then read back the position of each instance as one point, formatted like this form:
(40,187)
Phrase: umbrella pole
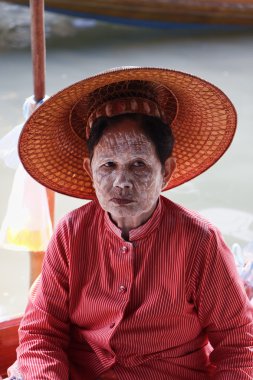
(39,73)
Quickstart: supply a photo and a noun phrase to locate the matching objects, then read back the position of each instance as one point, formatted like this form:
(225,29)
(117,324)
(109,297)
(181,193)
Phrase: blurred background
(77,48)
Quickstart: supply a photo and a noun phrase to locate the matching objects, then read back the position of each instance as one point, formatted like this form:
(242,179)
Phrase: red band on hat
(124,106)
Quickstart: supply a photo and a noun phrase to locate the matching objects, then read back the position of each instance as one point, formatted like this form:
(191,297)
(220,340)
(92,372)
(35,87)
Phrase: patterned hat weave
(53,141)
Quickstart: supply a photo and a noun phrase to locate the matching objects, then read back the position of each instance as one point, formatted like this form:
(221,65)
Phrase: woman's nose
(122,180)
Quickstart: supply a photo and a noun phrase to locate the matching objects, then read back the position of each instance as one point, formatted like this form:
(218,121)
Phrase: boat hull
(161,12)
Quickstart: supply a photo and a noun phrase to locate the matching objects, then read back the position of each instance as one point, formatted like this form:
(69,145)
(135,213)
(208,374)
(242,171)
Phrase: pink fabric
(150,308)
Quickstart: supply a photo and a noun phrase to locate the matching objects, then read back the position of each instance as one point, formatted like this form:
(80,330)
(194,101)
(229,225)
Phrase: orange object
(53,141)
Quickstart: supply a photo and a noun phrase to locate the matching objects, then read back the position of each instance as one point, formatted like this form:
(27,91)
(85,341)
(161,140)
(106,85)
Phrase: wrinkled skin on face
(127,174)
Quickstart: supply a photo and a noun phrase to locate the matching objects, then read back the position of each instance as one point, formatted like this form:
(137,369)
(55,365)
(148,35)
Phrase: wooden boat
(156,13)
(8,343)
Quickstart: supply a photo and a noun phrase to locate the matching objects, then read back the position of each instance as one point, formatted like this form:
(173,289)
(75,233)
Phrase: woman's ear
(169,167)
(87,167)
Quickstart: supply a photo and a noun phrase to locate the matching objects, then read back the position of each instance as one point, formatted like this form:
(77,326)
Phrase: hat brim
(204,127)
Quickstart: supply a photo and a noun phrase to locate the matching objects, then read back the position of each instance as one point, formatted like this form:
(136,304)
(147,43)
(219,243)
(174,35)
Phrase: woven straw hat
(52,144)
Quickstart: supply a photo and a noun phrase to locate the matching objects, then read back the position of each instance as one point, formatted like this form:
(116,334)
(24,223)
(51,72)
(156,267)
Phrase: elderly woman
(133,285)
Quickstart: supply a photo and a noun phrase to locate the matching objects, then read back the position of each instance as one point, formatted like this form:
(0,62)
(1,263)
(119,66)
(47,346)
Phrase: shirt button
(124,249)
(122,289)
(112,325)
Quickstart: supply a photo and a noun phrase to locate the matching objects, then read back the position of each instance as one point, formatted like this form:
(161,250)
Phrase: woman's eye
(138,164)
(109,164)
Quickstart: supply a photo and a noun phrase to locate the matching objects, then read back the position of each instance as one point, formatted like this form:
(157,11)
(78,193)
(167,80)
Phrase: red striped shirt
(151,308)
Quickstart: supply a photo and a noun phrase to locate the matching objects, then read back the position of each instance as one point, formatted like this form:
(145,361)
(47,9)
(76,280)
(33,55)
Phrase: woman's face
(127,174)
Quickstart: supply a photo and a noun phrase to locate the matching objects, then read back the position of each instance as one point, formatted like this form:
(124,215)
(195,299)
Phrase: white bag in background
(27,224)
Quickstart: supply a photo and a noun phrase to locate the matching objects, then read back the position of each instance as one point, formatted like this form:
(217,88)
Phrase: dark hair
(153,127)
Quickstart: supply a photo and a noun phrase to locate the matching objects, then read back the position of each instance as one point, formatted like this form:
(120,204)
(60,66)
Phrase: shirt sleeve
(44,329)
(224,309)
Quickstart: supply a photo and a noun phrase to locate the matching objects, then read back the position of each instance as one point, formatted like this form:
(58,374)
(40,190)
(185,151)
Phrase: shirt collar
(142,231)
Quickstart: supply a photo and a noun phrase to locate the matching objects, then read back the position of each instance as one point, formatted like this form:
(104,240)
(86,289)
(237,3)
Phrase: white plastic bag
(244,262)
(27,224)
(9,147)
(9,143)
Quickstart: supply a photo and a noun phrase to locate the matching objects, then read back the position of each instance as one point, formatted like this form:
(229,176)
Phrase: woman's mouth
(122,201)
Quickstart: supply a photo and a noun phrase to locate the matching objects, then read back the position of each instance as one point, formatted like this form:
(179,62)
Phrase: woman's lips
(122,201)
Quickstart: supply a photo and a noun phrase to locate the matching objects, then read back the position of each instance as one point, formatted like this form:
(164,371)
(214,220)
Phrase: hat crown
(136,89)
(148,90)
(123,89)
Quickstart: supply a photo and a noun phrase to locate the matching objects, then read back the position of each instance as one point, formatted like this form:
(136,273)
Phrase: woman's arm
(224,311)
(44,329)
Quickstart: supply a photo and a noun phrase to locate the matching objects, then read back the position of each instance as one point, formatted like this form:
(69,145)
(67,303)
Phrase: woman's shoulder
(187,219)
(81,217)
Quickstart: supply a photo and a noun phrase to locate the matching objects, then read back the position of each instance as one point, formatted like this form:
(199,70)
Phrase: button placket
(127,251)
(124,275)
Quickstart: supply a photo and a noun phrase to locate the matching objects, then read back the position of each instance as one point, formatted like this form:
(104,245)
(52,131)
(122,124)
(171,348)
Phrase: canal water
(79,48)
